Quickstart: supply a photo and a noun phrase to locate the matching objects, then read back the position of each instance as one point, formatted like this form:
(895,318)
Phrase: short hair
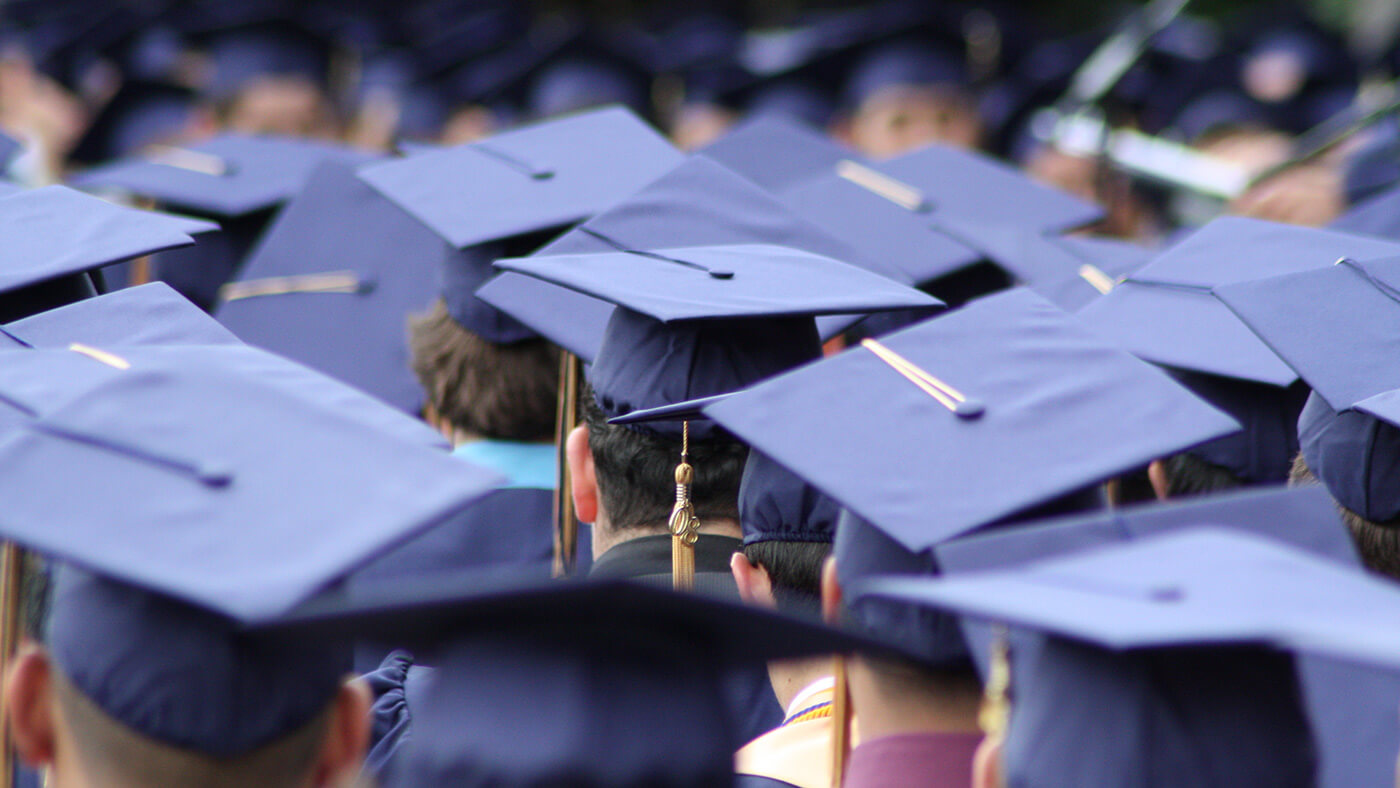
(636,472)
(34,595)
(1189,475)
(113,751)
(794,570)
(506,392)
(1378,542)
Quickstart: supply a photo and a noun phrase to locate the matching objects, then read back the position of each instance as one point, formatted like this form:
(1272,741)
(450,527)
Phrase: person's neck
(791,676)
(884,712)
(607,536)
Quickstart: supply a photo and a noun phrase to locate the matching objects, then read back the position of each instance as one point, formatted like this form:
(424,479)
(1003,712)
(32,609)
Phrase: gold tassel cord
(566,418)
(841,716)
(685,526)
(1095,276)
(876,182)
(331,282)
(944,394)
(996,703)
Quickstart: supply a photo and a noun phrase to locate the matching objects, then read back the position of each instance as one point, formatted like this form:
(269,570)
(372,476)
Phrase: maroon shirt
(913,760)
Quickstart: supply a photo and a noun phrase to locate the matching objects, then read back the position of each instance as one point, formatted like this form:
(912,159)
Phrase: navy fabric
(777,506)
(902,65)
(567,318)
(1166,313)
(1044,384)
(9,149)
(1263,451)
(151,314)
(1351,706)
(198,272)
(180,674)
(465,271)
(699,203)
(1355,455)
(355,333)
(1378,214)
(547,175)
(228,176)
(173,483)
(776,152)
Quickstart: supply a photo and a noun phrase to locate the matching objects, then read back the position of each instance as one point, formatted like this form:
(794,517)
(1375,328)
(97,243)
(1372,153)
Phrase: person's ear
(755,586)
(582,479)
(1157,474)
(29,705)
(831,592)
(343,750)
(986,763)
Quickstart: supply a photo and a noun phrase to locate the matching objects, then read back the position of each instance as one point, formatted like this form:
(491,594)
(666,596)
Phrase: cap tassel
(565,419)
(841,715)
(995,713)
(685,526)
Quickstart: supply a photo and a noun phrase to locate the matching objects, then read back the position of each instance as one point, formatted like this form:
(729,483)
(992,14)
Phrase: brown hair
(1378,543)
(506,392)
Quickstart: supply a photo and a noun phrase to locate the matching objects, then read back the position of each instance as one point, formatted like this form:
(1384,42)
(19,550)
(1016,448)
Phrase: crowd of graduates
(459,392)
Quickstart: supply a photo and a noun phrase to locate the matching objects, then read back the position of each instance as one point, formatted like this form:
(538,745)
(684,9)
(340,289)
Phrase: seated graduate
(185,530)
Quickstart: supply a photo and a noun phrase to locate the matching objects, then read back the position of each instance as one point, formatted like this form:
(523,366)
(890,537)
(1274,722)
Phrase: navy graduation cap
(1166,313)
(698,203)
(1009,387)
(1351,706)
(338,301)
(538,177)
(898,209)
(1333,327)
(149,314)
(56,236)
(701,321)
(225,177)
(188,527)
(776,152)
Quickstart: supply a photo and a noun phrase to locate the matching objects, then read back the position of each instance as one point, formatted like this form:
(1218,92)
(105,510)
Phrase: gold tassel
(11,627)
(841,714)
(995,713)
(685,526)
(565,419)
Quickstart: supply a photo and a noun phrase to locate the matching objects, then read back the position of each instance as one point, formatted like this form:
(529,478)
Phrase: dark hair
(1188,475)
(795,571)
(1378,543)
(34,594)
(507,392)
(636,472)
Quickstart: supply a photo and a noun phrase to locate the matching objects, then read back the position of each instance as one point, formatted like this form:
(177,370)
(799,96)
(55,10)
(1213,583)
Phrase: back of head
(188,698)
(1205,716)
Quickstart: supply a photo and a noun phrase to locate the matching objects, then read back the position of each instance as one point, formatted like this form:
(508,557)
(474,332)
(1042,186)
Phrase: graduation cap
(1200,590)
(150,314)
(776,152)
(574,664)
(925,211)
(237,179)
(1351,706)
(338,301)
(1348,429)
(1008,387)
(1166,313)
(698,203)
(57,236)
(903,64)
(535,178)
(187,527)
(225,177)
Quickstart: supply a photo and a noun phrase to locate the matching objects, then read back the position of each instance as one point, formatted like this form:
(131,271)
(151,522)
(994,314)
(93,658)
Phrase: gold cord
(685,526)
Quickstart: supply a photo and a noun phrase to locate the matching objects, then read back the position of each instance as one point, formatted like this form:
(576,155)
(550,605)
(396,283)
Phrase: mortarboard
(698,203)
(188,527)
(57,235)
(1344,699)
(775,505)
(692,318)
(901,64)
(1165,312)
(776,152)
(915,210)
(1008,387)
(338,301)
(141,113)
(150,314)
(539,177)
(225,177)
(1376,212)
(571,664)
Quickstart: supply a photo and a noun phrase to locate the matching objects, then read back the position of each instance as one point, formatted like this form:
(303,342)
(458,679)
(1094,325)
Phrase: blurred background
(1253,84)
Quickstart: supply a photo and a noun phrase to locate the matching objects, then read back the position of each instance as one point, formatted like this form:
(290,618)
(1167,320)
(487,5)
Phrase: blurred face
(900,119)
(291,106)
(1254,150)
